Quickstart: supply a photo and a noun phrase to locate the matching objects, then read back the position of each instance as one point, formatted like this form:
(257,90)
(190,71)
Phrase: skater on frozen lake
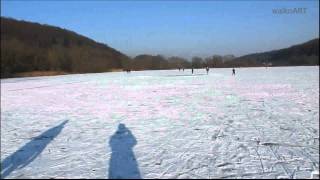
(207,69)
(233,72)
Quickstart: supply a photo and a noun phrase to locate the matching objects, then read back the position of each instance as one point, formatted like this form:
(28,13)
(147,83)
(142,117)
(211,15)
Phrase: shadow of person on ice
(29,151)
(123,164)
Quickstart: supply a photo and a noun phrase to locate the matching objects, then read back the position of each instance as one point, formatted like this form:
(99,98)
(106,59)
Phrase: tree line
(27,47)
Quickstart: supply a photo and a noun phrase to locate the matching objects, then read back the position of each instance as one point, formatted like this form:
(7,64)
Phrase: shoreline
(58,73)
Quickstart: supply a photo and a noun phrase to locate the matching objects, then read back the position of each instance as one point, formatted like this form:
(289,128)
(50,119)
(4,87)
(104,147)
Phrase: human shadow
(123,164)
(29,151)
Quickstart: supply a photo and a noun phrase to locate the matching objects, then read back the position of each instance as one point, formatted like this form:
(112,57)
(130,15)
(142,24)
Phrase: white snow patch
(261,123)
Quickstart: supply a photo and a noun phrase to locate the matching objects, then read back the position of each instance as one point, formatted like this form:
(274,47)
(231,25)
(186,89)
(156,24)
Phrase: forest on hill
(304,54)
(28,47)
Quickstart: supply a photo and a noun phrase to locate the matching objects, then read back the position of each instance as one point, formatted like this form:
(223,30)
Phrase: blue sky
(177,28)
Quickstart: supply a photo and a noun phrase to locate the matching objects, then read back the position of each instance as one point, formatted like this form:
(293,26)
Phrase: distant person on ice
(233,72)
(192,70)
(207,69)
(128,70)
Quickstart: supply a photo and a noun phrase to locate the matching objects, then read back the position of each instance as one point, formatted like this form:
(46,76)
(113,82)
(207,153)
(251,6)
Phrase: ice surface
(261,123)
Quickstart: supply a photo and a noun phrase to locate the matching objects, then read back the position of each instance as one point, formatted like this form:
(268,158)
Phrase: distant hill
(34,49)
(145,61)
(302,54)
(151,62)
(27,47)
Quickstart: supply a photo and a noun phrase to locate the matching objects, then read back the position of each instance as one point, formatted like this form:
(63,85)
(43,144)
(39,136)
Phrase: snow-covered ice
(261,123)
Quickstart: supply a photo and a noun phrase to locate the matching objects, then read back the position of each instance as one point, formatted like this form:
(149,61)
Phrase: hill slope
(302,54)
(27,46)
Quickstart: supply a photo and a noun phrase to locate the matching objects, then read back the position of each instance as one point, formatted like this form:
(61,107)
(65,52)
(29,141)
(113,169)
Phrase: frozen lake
(261,123)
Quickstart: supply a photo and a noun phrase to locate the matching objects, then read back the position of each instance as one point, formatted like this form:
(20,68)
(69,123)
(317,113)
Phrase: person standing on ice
(192,70)
(207,69)
(233,72)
